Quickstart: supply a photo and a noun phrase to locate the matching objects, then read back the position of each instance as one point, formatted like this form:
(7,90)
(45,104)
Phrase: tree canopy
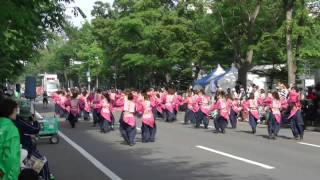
(143,43)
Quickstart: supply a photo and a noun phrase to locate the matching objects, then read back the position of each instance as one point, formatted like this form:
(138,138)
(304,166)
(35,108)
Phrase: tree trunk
(291,61)
(245,66)
(242,75)
(66,78)
(97,81)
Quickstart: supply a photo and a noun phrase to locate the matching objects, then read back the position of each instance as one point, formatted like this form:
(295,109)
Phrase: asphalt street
(180,152)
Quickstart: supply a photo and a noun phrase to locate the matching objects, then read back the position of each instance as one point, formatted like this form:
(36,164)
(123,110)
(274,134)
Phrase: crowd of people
(254,105)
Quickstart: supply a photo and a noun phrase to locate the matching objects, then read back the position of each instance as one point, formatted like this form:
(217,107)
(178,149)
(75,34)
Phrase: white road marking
(39,115)
(236,157)
(93,160)
(88,156)
(308,144)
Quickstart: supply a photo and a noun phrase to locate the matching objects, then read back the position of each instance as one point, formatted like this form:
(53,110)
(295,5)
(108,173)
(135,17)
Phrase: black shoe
(301,138)
(253,131)
(223,131)
(206,127)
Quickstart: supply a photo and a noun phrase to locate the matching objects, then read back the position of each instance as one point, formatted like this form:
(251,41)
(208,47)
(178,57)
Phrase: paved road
(182,152)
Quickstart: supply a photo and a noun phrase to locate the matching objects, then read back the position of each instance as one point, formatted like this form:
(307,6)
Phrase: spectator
(27,127)
(311,95)
(9,141)
(283,91)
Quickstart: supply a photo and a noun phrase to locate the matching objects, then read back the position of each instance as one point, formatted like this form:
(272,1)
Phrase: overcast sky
(86,6)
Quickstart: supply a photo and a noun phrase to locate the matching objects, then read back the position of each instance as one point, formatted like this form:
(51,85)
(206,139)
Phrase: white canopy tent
(228,80)
(216,73)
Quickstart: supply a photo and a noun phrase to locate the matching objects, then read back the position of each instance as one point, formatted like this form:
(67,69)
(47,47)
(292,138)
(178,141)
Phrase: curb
(312,128)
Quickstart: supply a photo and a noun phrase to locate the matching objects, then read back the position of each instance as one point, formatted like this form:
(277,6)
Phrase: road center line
(93,160)
(236,157)
(308,144)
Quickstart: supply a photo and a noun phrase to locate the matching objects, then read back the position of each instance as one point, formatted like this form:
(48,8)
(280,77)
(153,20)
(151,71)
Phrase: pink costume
(294,98)
(235,107)
(177,101)
(275,107)
(128,113)
(203,102)
(74,106)
(106,110)
(63,101)
(159,105)
(139,103)
(153,99)
(195,105)
(189,102)
(119,100)
(169,103)
(222,106)
(253,108)
(97,102)
(147,117)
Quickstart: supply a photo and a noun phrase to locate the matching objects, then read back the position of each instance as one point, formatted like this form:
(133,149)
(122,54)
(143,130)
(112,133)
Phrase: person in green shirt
(9,141)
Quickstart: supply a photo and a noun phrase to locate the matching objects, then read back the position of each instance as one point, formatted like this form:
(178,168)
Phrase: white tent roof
(228,80)
(217,72)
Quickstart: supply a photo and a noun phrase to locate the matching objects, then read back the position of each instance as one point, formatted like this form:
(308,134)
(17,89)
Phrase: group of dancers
(223,107)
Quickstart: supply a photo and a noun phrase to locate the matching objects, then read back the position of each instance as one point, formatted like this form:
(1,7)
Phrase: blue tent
(202,81)
(217,72)
(208,78)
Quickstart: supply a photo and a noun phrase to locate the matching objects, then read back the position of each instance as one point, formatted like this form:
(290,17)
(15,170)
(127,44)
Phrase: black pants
(105,125)
(148,133)
(253,122)
(202,119)
(189,116)
(220,124)
(273,125)
(170,116)
(297,125)
(128,133)
(96,116)
(86,115)
(72,119)
(233,119)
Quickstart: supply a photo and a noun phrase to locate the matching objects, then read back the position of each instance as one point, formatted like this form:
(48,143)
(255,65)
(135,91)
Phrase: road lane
(173,155)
